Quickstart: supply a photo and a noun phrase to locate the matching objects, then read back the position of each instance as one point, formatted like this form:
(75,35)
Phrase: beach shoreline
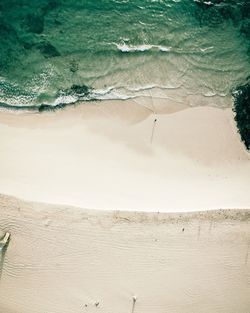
(124,156)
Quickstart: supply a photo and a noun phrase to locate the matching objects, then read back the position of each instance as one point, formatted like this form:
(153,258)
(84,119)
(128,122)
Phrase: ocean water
(56,52)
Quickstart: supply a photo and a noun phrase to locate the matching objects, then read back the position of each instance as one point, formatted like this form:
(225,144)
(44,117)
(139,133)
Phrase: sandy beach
(124,156)
(68,260)
(144,154)
(123,159)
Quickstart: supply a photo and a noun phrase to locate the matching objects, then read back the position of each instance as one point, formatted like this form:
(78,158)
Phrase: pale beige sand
(60,259)
(100,155)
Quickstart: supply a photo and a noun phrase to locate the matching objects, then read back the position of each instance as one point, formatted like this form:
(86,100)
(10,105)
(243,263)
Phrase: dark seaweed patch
(27,45)
(8,44)
(35,23)
(49,108)
(207,14)
(5,29)
(20,23)
(215,12)
(73,66)
(76,90)
(48,50)
(245,29)
(246,9)
(51,5)
(242,112)
(80,89)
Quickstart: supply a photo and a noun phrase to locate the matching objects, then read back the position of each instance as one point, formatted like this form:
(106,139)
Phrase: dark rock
(48,108)
(242,112)
(80,90)
(45,107)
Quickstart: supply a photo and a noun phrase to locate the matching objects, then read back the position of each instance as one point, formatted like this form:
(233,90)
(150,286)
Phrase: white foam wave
(164,49)
(110,93)
(141,48)
(128,92)
(128,48)
(65,100)
(119,93)
(151,87)
(115,93)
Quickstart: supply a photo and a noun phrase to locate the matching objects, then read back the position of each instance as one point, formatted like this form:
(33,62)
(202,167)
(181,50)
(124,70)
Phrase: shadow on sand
(4,242)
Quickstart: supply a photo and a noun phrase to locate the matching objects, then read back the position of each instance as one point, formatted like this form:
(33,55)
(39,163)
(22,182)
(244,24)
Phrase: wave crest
(141,48)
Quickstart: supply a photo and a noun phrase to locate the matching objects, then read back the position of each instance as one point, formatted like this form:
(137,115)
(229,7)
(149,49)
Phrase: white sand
(60,259)
(66,260)
(100,156)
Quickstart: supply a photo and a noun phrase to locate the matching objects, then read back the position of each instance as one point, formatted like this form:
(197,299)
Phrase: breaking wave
(141,48)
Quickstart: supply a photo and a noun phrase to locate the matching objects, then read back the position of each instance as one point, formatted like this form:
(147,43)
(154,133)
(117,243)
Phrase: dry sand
(103,156)
(67,260)
(100,155)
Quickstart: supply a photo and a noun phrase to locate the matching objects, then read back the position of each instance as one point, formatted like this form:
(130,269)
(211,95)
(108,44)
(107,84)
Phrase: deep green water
(184,50)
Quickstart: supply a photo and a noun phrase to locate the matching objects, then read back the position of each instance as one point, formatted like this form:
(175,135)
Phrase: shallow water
(189,51)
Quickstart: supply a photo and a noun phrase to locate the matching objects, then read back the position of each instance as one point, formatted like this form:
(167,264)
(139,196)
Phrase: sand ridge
(64,259)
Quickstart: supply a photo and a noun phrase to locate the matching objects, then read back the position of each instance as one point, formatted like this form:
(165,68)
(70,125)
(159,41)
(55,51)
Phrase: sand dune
(67,260)
(114,156)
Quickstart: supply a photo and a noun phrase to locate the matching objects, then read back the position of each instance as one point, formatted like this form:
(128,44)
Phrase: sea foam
(141,48)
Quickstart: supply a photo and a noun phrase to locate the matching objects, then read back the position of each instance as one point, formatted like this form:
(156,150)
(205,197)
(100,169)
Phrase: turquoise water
(61,51)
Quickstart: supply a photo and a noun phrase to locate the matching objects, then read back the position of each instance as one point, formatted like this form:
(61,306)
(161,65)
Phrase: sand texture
(68,260)
(113,155)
